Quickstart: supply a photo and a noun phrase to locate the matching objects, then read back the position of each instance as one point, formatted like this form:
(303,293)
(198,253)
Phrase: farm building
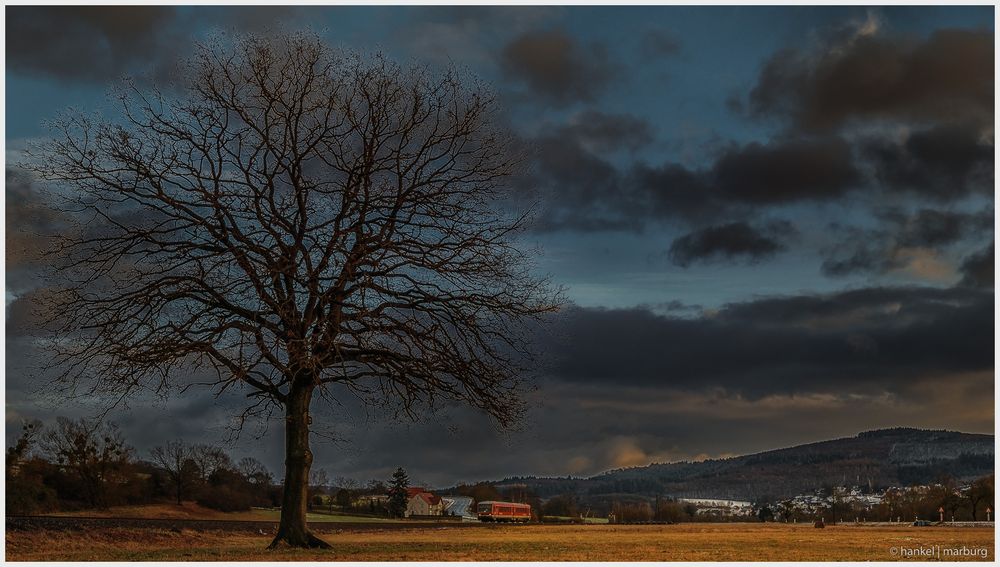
(420,502)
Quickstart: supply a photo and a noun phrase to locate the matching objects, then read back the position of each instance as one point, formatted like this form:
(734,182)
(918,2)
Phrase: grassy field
(682,542)
(569,519)
(192,511)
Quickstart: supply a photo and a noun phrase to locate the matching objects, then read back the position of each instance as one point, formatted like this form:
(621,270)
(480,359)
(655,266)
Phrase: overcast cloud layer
(774,225)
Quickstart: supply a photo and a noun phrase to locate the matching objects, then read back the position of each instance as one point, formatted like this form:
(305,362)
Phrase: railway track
(27,523)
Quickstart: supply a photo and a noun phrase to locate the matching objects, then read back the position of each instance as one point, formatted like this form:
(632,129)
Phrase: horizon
(860,433)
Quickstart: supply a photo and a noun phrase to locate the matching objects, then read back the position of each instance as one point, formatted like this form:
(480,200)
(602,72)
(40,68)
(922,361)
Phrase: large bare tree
(301,222)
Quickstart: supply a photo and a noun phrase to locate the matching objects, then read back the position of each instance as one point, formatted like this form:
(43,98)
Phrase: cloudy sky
(774,225)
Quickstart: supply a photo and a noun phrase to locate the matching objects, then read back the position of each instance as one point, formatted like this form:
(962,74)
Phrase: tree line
(88,464)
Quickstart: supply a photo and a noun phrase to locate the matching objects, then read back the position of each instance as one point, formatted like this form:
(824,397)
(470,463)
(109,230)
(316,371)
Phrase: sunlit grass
(681,542)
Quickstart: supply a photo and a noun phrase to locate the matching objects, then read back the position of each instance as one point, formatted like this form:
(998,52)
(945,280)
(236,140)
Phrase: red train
(492,511)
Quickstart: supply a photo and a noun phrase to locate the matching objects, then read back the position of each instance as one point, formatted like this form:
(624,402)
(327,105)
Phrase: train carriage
(493,511)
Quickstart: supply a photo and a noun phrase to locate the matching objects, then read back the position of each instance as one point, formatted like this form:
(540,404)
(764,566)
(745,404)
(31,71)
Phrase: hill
(875,459)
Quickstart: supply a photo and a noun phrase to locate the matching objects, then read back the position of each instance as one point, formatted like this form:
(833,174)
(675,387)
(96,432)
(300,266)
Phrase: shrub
(225,499)
(26,497)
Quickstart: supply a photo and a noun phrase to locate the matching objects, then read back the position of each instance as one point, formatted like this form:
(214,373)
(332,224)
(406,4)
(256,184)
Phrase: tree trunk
(292,529)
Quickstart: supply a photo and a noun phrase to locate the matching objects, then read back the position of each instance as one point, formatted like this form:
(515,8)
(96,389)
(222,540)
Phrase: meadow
(680,542)
(192,511)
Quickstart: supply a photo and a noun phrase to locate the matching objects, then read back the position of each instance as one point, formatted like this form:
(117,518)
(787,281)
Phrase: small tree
(298,222)
(26,492)
(259,478)
(19,451)
(254,471)
(398,493)
(318,481)
(980,495)
(227,491)
(92,452)
(175,459)
(209,459)
(765,514)
(344,498)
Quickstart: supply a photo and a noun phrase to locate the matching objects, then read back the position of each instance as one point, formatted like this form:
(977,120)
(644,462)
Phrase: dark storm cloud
(746,176)
(786,171)
(672,190)
(938,92)
(977,269)
(582,188)
(645,387)
(99,44)
(945,162)
(85,43)
(948,76)
(891,308)
(29,225)
(556,67)
(731,241)
(588,192)
(892,244)
(445,34)
(857,254)
(932,228)
(860,341)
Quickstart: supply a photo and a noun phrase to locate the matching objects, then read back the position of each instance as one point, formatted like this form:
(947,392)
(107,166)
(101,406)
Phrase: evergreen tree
(397,493)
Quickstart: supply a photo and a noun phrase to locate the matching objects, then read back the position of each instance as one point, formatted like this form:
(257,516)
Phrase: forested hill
(883,458)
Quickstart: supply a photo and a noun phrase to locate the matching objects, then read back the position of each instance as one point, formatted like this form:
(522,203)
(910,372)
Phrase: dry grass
(685,542)
(185,511)
(192,511)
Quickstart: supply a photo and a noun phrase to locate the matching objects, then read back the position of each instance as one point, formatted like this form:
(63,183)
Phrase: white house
(423,503)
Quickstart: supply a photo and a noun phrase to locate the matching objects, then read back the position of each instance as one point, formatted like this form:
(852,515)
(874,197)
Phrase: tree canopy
(294,219)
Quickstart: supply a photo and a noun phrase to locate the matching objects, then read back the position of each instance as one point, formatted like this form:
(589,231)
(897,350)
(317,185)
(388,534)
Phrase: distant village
(934,502)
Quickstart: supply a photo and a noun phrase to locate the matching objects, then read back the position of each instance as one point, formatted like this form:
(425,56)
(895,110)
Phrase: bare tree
(319,480)
(92,452)
(20,450)
(258,476)
(175,459)
(254,471)
(980,491)
(209,458)
(299,222)
(346,482)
